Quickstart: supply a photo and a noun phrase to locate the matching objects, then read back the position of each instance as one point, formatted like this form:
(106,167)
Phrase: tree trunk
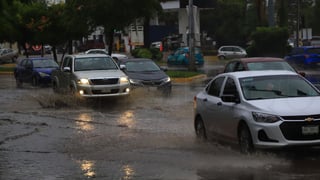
(109,35)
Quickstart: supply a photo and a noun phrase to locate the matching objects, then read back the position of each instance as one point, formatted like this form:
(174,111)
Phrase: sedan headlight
(124,80)
(265,118)
(83,81)
(167,79)
(41,74)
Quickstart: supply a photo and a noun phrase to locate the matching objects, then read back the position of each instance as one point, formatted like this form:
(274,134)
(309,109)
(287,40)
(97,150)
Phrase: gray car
(143,72)
(8,55)
(230,52)
(259,109)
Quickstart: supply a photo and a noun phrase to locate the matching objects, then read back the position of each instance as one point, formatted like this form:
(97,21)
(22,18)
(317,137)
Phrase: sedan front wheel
(200,129)
(245,140)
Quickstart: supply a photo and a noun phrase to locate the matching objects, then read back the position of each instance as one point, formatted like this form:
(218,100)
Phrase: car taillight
(194,101)
(187,55)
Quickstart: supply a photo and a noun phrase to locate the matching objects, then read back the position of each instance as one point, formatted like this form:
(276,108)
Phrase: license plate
(105,91)
(307,130)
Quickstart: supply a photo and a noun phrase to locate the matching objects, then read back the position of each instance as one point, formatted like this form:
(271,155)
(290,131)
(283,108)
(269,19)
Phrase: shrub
(269,41)
(141,53)
(152,53)
(156,54)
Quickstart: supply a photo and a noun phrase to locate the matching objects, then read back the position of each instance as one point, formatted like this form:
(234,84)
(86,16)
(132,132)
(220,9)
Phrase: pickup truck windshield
(94,63)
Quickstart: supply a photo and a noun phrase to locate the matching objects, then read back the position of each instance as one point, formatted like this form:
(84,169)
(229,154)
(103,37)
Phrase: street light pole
(192,66)
(298,24)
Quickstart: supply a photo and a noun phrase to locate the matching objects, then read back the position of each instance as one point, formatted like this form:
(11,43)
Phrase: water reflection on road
(145,136)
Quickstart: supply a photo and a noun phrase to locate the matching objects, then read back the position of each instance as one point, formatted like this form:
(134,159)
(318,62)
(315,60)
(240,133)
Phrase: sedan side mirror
(66,69)
(163,68)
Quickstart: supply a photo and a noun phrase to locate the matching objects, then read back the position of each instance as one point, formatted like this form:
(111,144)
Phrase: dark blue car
(35,71)
(304,55)
(181,57)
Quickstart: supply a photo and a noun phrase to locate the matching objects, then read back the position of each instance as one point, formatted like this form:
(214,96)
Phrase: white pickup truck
(90,75)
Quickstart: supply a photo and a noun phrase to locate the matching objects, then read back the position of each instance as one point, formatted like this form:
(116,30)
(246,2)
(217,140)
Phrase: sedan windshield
(281,86)
(48,63)
(141,66)
(94,63)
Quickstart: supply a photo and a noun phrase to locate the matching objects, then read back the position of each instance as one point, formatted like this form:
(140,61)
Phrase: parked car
(259,63)
(304,55)
(35,70)
(230,52)
(115,56)
(181,57)
(259,109)
(8,55)
(157,45)
(90,75)
(144,72)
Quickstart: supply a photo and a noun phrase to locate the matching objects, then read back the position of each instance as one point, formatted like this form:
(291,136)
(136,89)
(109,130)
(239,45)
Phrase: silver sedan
(259,109)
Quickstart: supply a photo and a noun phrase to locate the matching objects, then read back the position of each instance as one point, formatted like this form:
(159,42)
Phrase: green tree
(315,21)
(231,25)
(7,31)
(118,14)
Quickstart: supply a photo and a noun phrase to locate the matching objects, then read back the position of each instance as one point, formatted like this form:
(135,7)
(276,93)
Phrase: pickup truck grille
(104,81)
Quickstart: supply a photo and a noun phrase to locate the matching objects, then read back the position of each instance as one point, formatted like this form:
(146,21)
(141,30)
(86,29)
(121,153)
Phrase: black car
(36,70)
(144,72)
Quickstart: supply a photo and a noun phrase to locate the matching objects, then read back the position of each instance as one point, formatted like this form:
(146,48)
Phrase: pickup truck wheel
(72,91)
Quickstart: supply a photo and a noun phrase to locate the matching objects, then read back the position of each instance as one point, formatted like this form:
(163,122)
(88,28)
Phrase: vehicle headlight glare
(41,74)
(265,118)
(134,81)
(84,81)
(166,79)
(124,80)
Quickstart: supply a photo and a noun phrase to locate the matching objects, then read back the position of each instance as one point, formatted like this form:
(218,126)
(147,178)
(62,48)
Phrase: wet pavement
(145,136)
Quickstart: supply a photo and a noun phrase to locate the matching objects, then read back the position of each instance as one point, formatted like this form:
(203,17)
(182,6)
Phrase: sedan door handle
(219,103)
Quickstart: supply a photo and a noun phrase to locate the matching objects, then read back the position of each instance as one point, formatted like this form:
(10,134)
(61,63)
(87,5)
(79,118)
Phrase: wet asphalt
(143,136)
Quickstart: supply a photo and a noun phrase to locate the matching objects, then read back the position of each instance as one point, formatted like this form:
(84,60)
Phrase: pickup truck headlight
(265,118)
(83,81)
(124,80)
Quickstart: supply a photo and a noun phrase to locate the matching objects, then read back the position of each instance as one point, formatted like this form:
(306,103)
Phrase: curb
(6,66)
(6,73)
(189,79)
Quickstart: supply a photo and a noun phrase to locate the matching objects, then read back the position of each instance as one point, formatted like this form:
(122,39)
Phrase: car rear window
(269,66)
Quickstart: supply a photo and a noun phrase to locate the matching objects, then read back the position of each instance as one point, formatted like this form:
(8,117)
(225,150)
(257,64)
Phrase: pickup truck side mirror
(122,66)
(66,69)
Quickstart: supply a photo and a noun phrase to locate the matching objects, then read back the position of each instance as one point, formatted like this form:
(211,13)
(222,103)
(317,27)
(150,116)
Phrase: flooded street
(144,136)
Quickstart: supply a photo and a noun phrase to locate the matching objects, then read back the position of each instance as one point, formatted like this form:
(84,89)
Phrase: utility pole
(192,66)
(271,13)
(298,24)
